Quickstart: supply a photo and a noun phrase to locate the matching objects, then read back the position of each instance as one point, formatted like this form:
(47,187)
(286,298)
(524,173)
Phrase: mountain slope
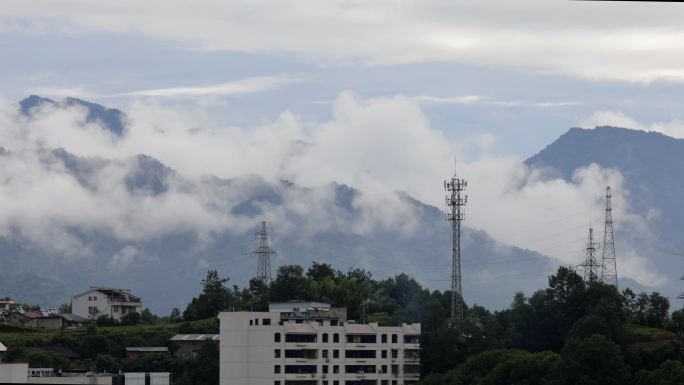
(652,165)
(325,224)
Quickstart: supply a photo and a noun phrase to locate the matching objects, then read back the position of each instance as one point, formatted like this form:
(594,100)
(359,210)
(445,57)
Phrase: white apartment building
(99,301)
(312,344)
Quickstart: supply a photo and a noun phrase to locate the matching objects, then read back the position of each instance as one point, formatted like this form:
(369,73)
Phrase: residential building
(21,316)
(301,343)
(6,305)
(99,301)
(188,345)
(58,321)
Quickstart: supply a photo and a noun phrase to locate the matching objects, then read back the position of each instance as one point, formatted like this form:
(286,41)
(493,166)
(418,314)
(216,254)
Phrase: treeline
(389,301)
(570,332)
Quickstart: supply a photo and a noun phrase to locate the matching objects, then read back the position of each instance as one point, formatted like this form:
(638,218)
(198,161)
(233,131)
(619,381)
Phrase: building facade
(306,345)
(99,301)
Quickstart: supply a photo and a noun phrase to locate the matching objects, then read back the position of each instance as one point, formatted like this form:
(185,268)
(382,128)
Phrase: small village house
(99,301)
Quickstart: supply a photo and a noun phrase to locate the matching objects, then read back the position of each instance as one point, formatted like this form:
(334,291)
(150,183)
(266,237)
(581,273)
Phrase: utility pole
(591,265)
(264,254)
(608,264)
(455,201)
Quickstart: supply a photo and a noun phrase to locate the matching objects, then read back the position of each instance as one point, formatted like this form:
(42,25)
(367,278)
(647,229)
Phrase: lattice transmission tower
(264,254)
(592,267)
(608,263)
(455,201)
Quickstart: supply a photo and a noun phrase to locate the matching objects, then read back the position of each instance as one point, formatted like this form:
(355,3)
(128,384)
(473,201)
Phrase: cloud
(379,145)
(244,86)
(238,87)
(636,42)
(468,99)
(673,128)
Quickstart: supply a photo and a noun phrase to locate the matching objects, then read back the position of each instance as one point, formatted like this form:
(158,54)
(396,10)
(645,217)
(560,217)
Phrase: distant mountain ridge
(162,262)
(167,269)
(112,119)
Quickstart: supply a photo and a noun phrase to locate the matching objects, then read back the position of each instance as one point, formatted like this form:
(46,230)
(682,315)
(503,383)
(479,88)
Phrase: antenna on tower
(591,265)
(608,263)
(455,201)
(264,254)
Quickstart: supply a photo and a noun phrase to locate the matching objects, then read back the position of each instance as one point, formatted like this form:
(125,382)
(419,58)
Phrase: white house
(304,344)
(99,301)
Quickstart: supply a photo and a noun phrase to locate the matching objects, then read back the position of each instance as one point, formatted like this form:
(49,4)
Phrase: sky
(384,96)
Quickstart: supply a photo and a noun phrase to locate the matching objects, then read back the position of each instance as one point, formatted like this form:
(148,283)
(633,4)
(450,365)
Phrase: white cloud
(673,128)
(380,146)
(637,42)
(238,87)
(468,99)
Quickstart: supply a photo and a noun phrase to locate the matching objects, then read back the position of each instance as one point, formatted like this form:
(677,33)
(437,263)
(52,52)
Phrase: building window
(276,337)
(383,339)
(251,322)
(95,298)
(336,338)
(384,354)
(324,353)
(276,382)
(276,369)
(325,369)
(115,308)
(394,338)
(383,369)
(276,353)
(325,338)
(266,321)
(90,298)
(336,369)
(336,382)
(395,353)
(256,322)
(336,354)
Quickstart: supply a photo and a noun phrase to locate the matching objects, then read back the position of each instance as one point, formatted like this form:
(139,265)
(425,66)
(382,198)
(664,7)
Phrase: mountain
(110,118)
(652,165)
(167,269)
(166,264)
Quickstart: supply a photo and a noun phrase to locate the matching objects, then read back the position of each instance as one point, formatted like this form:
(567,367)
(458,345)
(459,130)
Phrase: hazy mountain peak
(112,119)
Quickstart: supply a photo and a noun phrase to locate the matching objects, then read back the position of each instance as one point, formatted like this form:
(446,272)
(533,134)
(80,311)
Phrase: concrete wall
(13,373)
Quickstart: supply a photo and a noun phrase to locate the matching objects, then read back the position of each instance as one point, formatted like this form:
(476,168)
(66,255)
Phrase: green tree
(289,284)
(669,373)
(175,315)
(131,318)
(595,360)
(147,317)
(65,308)
(215,297)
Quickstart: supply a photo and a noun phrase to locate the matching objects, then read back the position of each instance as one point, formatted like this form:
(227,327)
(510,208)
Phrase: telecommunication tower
(591,266)
(264,254)
(455,201)
(608,263)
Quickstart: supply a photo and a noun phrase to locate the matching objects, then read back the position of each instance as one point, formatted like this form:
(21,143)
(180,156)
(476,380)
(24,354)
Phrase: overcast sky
(524,71)
(487,82)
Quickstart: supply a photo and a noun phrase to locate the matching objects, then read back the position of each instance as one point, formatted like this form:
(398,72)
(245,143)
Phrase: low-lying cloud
(616,118)
(379,146)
